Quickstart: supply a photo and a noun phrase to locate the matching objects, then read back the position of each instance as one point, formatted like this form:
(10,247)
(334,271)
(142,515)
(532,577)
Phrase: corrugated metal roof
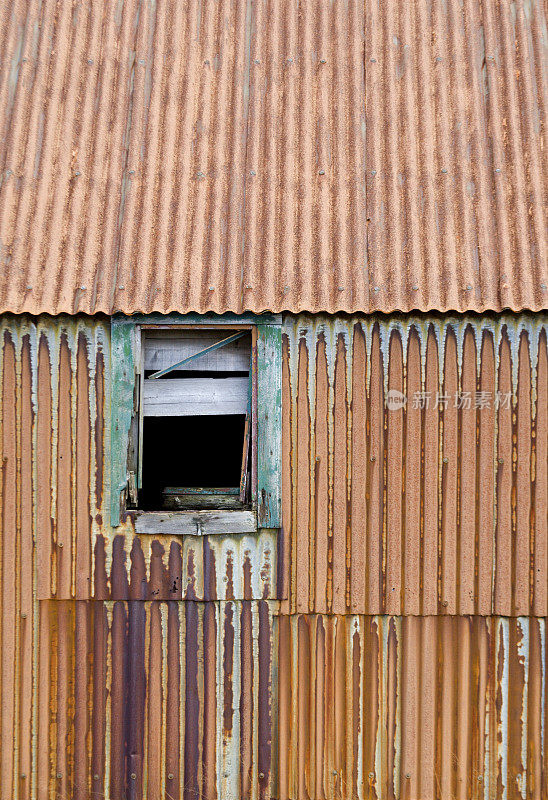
(285,156)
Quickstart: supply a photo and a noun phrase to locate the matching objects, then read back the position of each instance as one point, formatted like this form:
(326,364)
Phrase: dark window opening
(196,420)
(200,453)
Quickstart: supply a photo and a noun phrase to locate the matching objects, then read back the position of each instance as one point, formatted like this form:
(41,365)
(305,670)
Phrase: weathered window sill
(195,523)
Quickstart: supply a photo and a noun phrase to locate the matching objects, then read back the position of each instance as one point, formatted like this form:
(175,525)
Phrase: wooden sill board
(195,523)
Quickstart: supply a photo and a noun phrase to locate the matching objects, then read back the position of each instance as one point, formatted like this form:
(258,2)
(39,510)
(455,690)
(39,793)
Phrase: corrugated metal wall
(412,575)
(416,511)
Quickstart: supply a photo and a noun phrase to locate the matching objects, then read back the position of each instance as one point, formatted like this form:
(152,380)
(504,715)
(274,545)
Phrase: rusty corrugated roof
(285,156)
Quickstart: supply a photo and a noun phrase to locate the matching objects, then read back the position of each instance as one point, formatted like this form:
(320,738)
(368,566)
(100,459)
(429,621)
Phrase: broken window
(194,448)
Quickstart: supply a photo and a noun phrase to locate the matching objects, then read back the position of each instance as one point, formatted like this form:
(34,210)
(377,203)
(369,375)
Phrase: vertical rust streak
(99,427)
(62,544)
(173,733)
(209,754)
(82,556)
(359,502)
(247,709)
(9,565)
(119,699)
(322,576)
(341,544)
(27,578)
(44,521)
(304,573)
(191,702)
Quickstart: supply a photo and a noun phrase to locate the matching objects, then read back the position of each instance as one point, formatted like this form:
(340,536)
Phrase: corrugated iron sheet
(285,156)
(415,511)
(125,654)
(139,700)
(412,708)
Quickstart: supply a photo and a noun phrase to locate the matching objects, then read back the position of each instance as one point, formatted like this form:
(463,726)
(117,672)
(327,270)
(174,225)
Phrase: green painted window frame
(125,345)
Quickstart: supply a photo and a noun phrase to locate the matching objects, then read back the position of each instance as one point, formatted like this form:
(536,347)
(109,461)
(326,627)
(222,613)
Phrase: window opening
(196,419)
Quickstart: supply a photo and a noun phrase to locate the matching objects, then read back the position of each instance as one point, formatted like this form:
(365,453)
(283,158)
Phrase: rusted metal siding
(113,644)
(293,156)
(414,708)
(55,405)
(415,511)
(130,699)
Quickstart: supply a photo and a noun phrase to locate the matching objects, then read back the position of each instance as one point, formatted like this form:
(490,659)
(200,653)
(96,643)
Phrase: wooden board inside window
(195,419)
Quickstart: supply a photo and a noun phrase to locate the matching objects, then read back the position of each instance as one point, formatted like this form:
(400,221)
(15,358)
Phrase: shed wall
(396,625)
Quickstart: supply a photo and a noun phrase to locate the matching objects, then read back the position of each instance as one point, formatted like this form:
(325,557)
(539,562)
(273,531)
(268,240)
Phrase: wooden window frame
(126,402)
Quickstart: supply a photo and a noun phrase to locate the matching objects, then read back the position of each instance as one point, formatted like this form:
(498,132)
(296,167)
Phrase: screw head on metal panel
(373,60)
(121,288)
(501,461)
(439,58)
(480,778)
(373,172)
(133,776)
(543,287)
(322,60)
(23,615)
(60,544)
(444,171)
(371,776)
(497,169)
(28,288)
(445,603)
(407,775)
(321,172)
(252,172)
(59,775)
(170,776)
(211,288)
(340,288)
(95,777)
(415,288)
(373,458)
(446,460)
(261,776)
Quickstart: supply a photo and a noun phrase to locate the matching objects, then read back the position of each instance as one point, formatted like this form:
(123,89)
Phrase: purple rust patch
(119,587)
(229,595)
(192,708)
(190,592)
(175,571)
(100,581)
(135,707)
(210,574)
(119,699)
(173,743)
(264,723)
(158,586)
(247,576)
(137,576)
(99,427)
(228,662)
(280,563)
